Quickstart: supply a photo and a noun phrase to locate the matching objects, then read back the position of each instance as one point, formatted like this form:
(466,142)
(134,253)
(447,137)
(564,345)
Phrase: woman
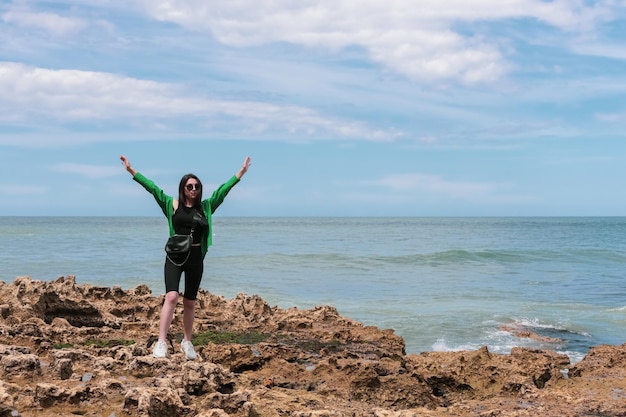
(187,212)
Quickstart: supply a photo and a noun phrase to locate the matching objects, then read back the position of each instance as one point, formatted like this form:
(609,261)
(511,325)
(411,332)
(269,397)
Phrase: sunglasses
(190,187)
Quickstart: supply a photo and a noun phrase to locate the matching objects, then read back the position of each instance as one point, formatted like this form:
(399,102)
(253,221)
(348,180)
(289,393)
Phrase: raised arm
(128,167)
(244,168)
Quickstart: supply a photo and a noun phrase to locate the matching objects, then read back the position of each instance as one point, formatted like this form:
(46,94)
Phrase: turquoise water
(440,283)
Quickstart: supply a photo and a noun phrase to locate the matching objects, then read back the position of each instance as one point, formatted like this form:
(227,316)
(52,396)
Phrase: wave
(461,256)
(548,333)
(512,256)
(453,256)
(533,268)
(501,337)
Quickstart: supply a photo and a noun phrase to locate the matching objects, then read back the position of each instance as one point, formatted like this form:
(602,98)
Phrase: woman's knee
(187,303)
(171,297)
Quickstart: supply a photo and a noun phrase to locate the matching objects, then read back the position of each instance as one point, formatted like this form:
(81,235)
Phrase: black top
(183,220)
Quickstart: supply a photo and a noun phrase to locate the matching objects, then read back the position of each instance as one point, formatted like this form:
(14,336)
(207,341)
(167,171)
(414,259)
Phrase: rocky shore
(79,350)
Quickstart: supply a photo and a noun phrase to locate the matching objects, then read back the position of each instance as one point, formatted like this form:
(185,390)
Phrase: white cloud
(87,171)
(22,190)
(75,94)
(50,22)
(416,39)
(434,184)
(71,96)
(605,50)
(611,117)
(421,187)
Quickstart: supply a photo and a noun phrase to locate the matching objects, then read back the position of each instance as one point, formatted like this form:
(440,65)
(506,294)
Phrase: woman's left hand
(244,167)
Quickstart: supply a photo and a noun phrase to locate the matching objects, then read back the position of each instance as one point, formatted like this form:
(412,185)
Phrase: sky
(347,108)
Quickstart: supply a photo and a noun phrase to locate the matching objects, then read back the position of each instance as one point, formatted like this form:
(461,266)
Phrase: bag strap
(194,223)
(180,264)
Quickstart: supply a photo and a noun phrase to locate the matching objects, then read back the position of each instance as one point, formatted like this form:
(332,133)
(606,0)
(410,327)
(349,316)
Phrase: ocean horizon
(442,283)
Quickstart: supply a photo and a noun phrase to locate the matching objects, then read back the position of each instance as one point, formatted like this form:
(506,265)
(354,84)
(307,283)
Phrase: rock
(257,360)
(601,361)
(154,402)
(63,368)
(6,401)
(20,365)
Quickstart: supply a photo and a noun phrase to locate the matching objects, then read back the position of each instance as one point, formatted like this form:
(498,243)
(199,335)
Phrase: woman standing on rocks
(189,213)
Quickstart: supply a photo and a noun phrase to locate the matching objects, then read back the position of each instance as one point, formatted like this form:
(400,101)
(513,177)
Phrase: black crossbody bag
(179,244)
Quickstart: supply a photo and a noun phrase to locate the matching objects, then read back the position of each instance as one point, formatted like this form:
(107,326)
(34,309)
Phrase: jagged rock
(202,378)
(20,365)
(6,401)
(69,349)
(216,412)
(154,402)
(601,361)
(63,368)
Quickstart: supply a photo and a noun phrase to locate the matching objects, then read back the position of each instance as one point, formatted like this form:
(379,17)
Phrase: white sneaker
(160,349)
(187,347)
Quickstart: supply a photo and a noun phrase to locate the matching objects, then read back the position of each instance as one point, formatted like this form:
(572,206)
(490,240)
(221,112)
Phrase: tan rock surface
(68,349)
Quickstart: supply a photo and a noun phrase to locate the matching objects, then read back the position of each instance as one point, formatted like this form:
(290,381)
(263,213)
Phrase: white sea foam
(537,324)
(574,357)
(442,346)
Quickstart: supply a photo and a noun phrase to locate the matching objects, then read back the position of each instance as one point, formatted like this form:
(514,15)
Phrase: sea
(442,284)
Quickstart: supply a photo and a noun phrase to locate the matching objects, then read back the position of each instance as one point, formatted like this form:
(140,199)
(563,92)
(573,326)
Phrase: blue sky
(373,108)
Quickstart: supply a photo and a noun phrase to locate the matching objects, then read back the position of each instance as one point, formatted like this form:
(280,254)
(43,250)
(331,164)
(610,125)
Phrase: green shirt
(209,205)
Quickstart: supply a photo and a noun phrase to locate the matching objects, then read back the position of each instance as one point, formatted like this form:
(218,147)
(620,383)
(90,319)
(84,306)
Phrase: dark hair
(181,189)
